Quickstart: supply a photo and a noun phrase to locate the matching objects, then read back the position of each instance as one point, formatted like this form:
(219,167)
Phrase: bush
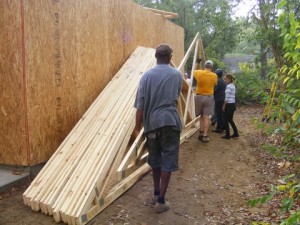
(250,86)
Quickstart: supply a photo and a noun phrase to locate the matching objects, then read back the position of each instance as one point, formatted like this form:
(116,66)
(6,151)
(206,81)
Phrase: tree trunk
(263,60)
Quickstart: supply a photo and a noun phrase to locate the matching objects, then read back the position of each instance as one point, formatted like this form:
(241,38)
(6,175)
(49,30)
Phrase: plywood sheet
(12,108)
(72,50)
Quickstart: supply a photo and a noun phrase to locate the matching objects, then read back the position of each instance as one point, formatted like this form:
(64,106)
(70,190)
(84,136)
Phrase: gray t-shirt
(157,95)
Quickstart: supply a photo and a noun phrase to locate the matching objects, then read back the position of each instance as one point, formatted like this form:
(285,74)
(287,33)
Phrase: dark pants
(228,119)
(219,115)
(163,148)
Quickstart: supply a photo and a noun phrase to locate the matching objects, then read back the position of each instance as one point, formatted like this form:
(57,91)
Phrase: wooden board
(14,147)
(71,50)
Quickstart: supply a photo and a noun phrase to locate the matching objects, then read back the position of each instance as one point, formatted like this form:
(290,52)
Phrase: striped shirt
(230,93)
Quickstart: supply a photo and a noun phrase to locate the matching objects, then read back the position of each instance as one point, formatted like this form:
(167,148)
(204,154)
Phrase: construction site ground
(212,187)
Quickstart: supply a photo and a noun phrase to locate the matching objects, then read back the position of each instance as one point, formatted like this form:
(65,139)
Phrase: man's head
(219,72)
(208,64)
(163,54)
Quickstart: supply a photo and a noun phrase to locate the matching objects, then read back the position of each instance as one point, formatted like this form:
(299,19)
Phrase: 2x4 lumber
(86,139)
(118,88)
(163,13)
(108,159)
(130,107)
(79,143)
(49,164)
(180,106)
(129,71)
(201,53)
(134,93)
(192,123)
(77,182)
(112,178)
(115,192)
(187,134)
(131,152)
(134,160)
(55,175)
(103,163)
(190,85)
(135,165)
(192,105)
(55,161)
(187,54)
(141,151)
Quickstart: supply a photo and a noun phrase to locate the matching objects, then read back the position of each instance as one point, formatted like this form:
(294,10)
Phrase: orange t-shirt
(206,82)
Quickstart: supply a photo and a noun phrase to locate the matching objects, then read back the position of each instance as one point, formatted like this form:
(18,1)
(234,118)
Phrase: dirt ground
(212,186)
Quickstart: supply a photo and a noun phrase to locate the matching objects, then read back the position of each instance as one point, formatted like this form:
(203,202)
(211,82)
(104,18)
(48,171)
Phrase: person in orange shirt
(204,99)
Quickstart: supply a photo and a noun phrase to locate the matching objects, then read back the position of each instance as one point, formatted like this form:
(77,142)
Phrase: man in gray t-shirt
(156,104)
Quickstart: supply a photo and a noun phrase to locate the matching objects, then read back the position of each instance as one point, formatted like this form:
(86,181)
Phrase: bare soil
(212,187)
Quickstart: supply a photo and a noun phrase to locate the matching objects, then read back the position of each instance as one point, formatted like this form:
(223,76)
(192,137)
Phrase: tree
(247,41)
(216,25)
(268,33)
(211,18)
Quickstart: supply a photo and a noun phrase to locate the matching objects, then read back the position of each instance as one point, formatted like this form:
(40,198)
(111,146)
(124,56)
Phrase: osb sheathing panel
(12,117)
(73,48)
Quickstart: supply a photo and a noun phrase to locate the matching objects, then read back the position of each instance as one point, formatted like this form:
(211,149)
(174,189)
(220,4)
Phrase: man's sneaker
(159,207)
(154,199)
(200,136)
(234,135)
(205,139)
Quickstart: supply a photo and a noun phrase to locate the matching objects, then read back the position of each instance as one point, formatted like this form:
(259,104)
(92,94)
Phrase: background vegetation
(269,32)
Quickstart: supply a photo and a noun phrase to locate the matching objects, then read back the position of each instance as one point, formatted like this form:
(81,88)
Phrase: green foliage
(250,86)
(218,30)
(264,199)
(218,64)
(247,43)
(274,150)
(288,109)
(294,219)
(290,189)
(211,18)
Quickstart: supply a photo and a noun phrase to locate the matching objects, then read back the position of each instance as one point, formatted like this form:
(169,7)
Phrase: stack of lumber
(97,162)
(65,188)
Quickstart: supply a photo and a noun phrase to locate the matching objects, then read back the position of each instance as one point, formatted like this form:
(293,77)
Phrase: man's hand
(135,133)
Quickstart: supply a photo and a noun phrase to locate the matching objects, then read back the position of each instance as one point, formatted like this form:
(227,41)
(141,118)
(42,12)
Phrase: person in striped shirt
(229,107)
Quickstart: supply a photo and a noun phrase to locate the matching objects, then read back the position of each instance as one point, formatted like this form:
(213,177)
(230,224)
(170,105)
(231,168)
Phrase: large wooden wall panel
(12,115)
(175,40)
(72,50)
(91,35)
(40,74)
